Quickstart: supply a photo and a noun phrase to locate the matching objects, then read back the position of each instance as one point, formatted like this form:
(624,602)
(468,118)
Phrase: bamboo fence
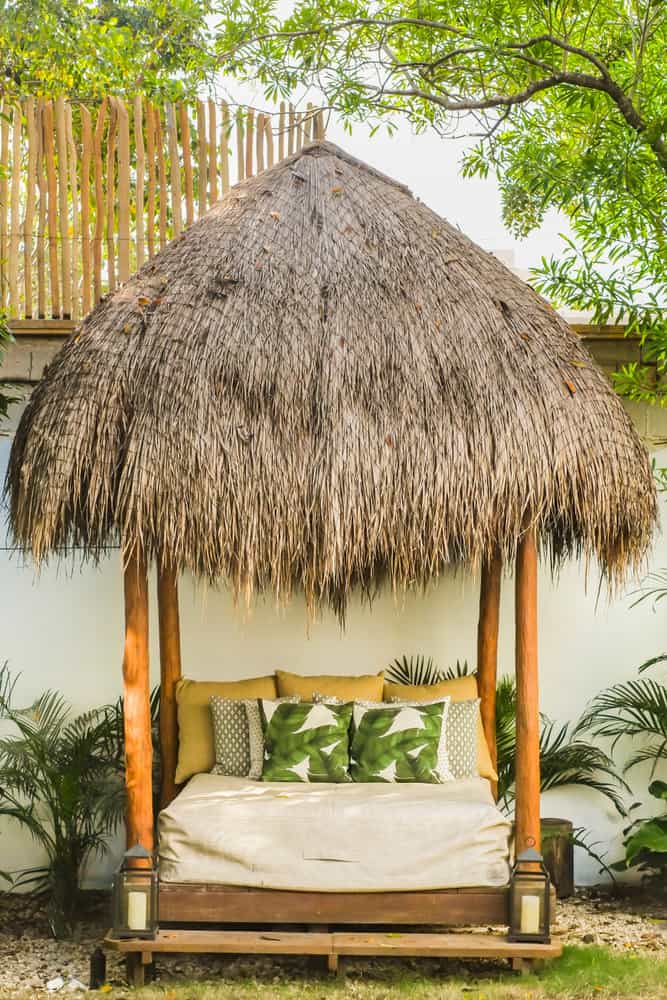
(88,194)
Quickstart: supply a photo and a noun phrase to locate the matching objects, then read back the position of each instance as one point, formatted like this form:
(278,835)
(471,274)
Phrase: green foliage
(568,101)
(6,397)
(379,753)
(305,742)
(90,47)
(566,757)
(61,780)
(646,842)
(420,670)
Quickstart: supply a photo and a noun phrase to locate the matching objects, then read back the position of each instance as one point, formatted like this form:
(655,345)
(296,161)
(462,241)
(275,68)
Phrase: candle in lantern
(530,914)
(136,911)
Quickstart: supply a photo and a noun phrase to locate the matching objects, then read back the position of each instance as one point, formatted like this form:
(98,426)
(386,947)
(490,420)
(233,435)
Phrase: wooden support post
(527,701)
(170,674)
(487,648)
(136,703)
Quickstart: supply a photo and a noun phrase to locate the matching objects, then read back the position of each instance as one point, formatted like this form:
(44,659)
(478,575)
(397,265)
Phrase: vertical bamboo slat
(162,176)
(4,191)
(248,142)
(111,184)
(174,169)
(259,143)
(73,166)
(281,132)
(202,153)
(63,213)
(308,124)
(41,218)
(86,157)
(291,134)
(123,192)
(52,208)
(224,148)
(299,132)
(29,216)
(138,121)
(150,157)
(14,218)
(184,123)
(268,129)
(240,146)
(99,201)
(212,155)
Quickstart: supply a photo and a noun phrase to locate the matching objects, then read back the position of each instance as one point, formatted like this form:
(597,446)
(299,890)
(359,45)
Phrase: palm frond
(636,708)
(415,670)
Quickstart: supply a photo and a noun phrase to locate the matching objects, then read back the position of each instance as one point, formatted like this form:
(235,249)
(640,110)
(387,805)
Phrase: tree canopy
(567,101)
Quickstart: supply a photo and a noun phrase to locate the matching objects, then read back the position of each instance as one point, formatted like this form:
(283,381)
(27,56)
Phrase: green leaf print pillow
(397,742)
(306,741)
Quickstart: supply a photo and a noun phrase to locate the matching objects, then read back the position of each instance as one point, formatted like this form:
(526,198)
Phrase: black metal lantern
(135,896)
(530,899)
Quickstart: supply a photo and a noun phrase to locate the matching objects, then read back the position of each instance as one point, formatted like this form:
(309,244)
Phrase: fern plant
(61,780)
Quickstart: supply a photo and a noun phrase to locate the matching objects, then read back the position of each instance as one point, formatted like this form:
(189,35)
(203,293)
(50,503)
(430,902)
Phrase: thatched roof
(322,383)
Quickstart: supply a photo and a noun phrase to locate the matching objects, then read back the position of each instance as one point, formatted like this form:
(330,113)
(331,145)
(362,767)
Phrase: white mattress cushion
(334,838)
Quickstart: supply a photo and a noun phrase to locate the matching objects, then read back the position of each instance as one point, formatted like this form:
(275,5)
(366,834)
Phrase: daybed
(318,388)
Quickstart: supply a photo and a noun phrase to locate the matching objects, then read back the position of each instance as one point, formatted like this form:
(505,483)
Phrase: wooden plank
(440,945)
(51,209)
(227,904)
(98,167)
(41,327)
(86,160)
(249,128)
(281,131)
(140,228)
(212,154)
(4,201)
(224,148)
(41,214)
(174,170)
(110,193)
(63,208)
(268,129)
(527,809)
(184,124)
(240,146)
(487,648)
(29,215)
(136,705)
(150,158)
(226,942)
(202,154)
(170,674)
(435,945)
(14,217)
(73,166)
(161,176)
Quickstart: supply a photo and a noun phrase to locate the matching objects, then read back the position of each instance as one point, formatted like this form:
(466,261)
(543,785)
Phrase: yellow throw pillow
(196,749)
(458,689)
(367,687)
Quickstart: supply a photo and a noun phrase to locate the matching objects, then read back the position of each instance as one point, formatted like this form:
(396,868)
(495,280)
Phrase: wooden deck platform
(331,945)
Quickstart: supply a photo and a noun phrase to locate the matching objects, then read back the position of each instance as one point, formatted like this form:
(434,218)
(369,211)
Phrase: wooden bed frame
(184,906)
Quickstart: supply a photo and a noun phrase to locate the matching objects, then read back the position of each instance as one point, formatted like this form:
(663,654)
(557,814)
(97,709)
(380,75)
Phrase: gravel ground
(29,958)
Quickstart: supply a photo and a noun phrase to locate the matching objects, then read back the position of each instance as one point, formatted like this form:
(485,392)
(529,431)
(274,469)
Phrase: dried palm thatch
(322,384)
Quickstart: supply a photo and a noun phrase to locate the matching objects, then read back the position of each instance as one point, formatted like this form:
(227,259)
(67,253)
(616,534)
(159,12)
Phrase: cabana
(322,386)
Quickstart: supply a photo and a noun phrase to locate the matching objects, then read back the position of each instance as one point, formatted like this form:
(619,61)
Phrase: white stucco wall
(64,629)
